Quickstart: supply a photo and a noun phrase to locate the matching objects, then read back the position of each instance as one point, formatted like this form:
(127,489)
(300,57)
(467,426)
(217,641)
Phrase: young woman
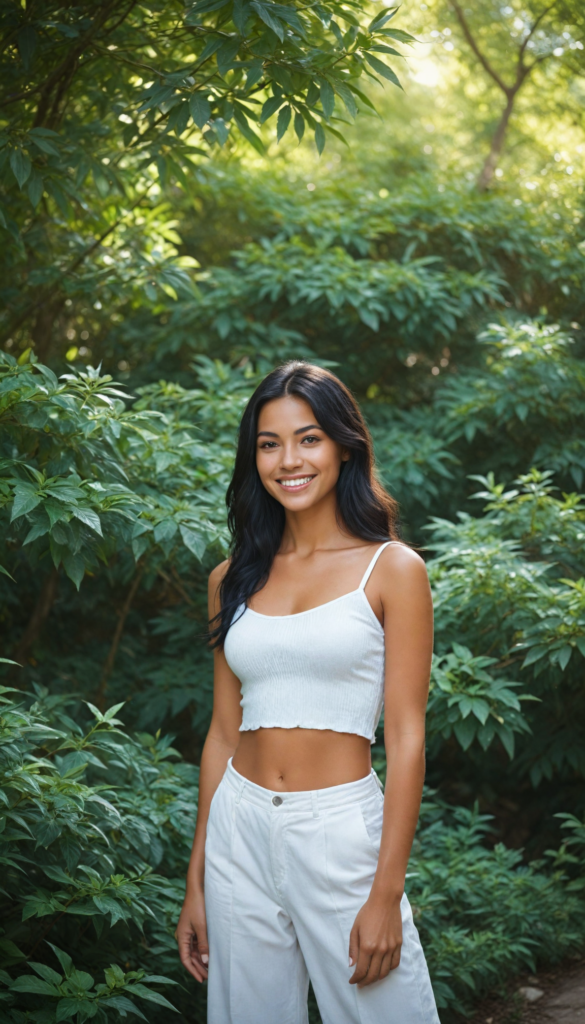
(318,618)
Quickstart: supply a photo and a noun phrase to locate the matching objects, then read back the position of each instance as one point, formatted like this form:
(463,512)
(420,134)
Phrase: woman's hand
(191,935)
(375,941)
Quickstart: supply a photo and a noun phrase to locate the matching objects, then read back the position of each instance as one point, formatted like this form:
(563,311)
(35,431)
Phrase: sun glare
(426,72)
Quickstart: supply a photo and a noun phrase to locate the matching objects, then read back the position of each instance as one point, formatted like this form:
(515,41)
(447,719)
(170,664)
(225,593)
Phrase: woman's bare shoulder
(215,580)
(402,565)
(216,575)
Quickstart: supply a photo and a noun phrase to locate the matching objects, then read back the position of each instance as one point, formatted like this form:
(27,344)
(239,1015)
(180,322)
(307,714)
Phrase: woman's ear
(345,455)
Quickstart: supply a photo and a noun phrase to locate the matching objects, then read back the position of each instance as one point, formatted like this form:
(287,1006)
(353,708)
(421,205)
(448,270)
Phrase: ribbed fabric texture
(319,669)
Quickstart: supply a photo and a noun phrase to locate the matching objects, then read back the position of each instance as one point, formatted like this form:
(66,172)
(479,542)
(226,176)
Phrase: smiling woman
(298,858)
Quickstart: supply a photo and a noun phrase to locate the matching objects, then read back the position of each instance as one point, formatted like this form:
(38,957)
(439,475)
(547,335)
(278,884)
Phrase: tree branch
(480,56)
(542,15)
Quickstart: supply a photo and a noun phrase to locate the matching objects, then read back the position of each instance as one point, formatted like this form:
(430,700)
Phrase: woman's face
(297,462)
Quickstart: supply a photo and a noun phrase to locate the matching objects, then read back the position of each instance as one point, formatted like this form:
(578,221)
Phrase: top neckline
(326,604)
(342,597)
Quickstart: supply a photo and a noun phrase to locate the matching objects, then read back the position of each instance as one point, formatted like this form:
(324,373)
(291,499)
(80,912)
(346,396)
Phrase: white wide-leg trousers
(285,875)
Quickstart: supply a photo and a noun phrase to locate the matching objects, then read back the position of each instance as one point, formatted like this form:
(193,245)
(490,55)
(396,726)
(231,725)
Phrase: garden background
(180,213)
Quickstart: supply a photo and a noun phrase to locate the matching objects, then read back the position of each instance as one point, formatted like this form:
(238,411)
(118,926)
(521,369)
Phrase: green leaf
(193,541)
(124,1006)
(299,125)
(273,103)
(564,656)
(25,499)
(200,108)
(383,48)
(74,566)
(327,98)
(255,73)
(380,20)
(347,96)
(320,138)
(35,188)
(21,166)
(221,130)
(36,986)
(89,517)
(382,69)
(465,730)
(247,131)
(108,905)
(63,958)
(47,973)
(151,996)
(240,15)
(283,121)
(226,54)
(71,1006)
(211,47)
(267,17)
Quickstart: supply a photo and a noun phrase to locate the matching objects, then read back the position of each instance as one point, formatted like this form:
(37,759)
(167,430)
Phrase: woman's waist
(295,759)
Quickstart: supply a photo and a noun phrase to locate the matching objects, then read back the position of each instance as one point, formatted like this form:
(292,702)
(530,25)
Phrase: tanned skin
(318,562)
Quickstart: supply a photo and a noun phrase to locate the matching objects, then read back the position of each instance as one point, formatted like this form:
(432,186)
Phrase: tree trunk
(123,615)
(488,169)
(43,606)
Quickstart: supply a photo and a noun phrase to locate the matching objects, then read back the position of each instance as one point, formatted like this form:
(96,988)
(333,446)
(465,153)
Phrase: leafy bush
(89,819)
(484,914)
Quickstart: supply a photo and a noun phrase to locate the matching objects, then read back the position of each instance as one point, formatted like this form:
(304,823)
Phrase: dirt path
(551,997)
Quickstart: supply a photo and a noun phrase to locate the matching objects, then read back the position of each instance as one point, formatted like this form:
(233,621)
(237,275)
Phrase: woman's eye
(268,444)
(311,437)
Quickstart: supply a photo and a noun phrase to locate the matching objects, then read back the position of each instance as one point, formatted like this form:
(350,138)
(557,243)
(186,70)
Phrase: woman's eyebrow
(312,426)
(301,430)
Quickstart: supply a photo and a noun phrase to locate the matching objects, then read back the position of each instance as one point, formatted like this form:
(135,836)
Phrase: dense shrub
(95,830)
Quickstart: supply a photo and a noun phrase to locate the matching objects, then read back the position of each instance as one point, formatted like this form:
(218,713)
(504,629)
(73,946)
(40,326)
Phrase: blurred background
(179,215)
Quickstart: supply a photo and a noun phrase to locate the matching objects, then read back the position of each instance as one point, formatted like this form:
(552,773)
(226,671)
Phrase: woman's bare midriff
(292,760)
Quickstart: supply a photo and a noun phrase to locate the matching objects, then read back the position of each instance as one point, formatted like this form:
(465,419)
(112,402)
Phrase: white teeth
(296,483)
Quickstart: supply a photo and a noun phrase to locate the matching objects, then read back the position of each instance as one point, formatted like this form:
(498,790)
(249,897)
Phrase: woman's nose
(291,457)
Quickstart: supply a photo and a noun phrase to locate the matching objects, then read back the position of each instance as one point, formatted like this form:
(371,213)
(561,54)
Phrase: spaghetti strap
(377,554)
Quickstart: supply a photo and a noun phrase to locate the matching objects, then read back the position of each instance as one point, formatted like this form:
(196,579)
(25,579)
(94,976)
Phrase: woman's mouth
(295,483)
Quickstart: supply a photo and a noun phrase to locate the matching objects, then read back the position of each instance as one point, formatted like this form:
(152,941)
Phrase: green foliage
(82,476)
(482,913)
(95,830)
(148,240)
(103,105)
(468,701)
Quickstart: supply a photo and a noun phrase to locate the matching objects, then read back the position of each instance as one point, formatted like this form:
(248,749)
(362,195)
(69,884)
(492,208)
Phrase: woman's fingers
(373,971)
(191,956)
(362,965)
(201,949)
(388,963)
(353,946)
(396,957)
(373,966)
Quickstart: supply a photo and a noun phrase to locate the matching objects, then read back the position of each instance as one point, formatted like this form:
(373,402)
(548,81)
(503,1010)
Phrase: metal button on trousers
(284,881)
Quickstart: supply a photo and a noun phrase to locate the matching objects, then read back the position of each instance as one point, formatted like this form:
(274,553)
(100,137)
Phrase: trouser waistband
(314,800)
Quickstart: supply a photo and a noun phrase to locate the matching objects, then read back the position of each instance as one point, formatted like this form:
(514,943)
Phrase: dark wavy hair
(256,519)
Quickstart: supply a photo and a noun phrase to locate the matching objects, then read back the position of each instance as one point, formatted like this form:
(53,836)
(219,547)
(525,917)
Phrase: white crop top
(319,669)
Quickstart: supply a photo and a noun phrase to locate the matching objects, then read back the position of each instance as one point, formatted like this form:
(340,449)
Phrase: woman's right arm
(220,745)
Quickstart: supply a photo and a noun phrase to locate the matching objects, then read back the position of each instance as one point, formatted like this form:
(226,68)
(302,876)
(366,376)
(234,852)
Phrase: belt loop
(240,793)
(315,803)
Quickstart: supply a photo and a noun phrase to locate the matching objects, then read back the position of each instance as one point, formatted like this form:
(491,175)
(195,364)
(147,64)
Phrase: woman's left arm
(405,595)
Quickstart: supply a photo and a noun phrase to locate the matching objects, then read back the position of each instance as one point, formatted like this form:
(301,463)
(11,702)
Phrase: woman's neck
(313,529)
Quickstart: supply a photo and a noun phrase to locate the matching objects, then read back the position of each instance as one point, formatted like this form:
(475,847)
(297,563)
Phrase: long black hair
(256,519)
